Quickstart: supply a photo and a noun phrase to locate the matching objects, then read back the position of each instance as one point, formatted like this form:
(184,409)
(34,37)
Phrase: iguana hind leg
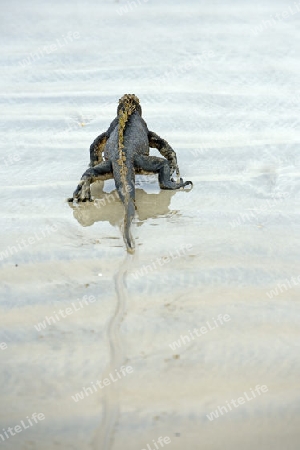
(83,191)
(161,166)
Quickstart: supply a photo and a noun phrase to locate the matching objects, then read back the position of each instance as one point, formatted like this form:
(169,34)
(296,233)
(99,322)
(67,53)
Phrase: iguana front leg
(97,147)
(165,150)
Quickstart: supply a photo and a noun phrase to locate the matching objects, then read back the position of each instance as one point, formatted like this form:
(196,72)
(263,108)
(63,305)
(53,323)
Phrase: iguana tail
(123,170)
(126,190)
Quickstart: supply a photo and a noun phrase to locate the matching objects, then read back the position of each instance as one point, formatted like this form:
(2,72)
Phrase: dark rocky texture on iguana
(125,146)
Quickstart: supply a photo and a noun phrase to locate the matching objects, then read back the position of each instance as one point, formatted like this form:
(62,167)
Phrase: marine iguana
(126,152)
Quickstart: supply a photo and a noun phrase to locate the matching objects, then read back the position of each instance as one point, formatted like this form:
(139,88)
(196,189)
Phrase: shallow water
(226,97)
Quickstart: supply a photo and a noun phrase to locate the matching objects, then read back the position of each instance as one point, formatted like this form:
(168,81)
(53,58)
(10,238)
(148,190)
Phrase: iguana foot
(176,185)
(83,191)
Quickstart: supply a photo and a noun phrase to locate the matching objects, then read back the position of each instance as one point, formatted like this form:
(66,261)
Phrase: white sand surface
(222,86)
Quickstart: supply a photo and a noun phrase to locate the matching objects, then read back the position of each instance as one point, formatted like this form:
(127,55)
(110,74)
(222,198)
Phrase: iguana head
(128,104)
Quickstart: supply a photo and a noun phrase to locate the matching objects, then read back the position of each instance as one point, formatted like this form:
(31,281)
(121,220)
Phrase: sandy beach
(193,342)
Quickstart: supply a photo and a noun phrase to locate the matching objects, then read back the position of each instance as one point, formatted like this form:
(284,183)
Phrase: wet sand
(225,96)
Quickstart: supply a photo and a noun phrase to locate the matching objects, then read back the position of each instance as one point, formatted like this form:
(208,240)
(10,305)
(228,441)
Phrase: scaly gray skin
(136,160)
